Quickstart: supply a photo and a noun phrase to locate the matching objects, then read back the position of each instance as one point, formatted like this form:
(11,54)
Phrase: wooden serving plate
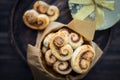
(22,35)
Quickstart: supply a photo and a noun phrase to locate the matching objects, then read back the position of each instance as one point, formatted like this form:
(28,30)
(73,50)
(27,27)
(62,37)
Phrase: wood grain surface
(13,68)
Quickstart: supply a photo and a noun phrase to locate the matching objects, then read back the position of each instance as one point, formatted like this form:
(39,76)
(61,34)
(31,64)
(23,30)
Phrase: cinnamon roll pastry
(65,52)
(60,49)
(35,21)
(53,13)
(62,68)
(30,18)
(42,21)
(50,59)
(82,58)
(47,40)
(64,30)
(75,40)
(59,39)
(41,7)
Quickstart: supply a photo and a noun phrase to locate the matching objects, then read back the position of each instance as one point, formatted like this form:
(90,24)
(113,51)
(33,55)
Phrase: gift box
(104,12)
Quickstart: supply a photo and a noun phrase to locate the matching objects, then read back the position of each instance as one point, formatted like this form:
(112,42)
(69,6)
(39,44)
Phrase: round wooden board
(22,35)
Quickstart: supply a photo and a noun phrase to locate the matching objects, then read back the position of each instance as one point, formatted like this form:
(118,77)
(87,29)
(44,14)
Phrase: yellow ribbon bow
(95,6)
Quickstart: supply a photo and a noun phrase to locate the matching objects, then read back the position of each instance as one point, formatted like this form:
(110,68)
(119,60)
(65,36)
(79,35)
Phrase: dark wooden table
(13,68)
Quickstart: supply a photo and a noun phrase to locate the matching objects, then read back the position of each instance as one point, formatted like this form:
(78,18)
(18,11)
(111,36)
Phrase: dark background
(13,68)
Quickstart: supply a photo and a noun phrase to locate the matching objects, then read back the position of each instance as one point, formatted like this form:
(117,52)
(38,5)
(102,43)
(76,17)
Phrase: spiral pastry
(75,40)
(64,30)
(60,49)
(65,52)
(41,7)
(82,58)
(35,21)
(59,39)
(50,59)
(53,13)
(47,40)
(62,67)
(42,21)
(30,18)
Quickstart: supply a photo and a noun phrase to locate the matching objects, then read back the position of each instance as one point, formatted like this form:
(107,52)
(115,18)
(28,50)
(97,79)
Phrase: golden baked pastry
(50,59)
(47,40)
(60,49)
(50,10)
(53,13)
(82,58)
(41,7)
(35,21)
(75,40)
(62,68)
